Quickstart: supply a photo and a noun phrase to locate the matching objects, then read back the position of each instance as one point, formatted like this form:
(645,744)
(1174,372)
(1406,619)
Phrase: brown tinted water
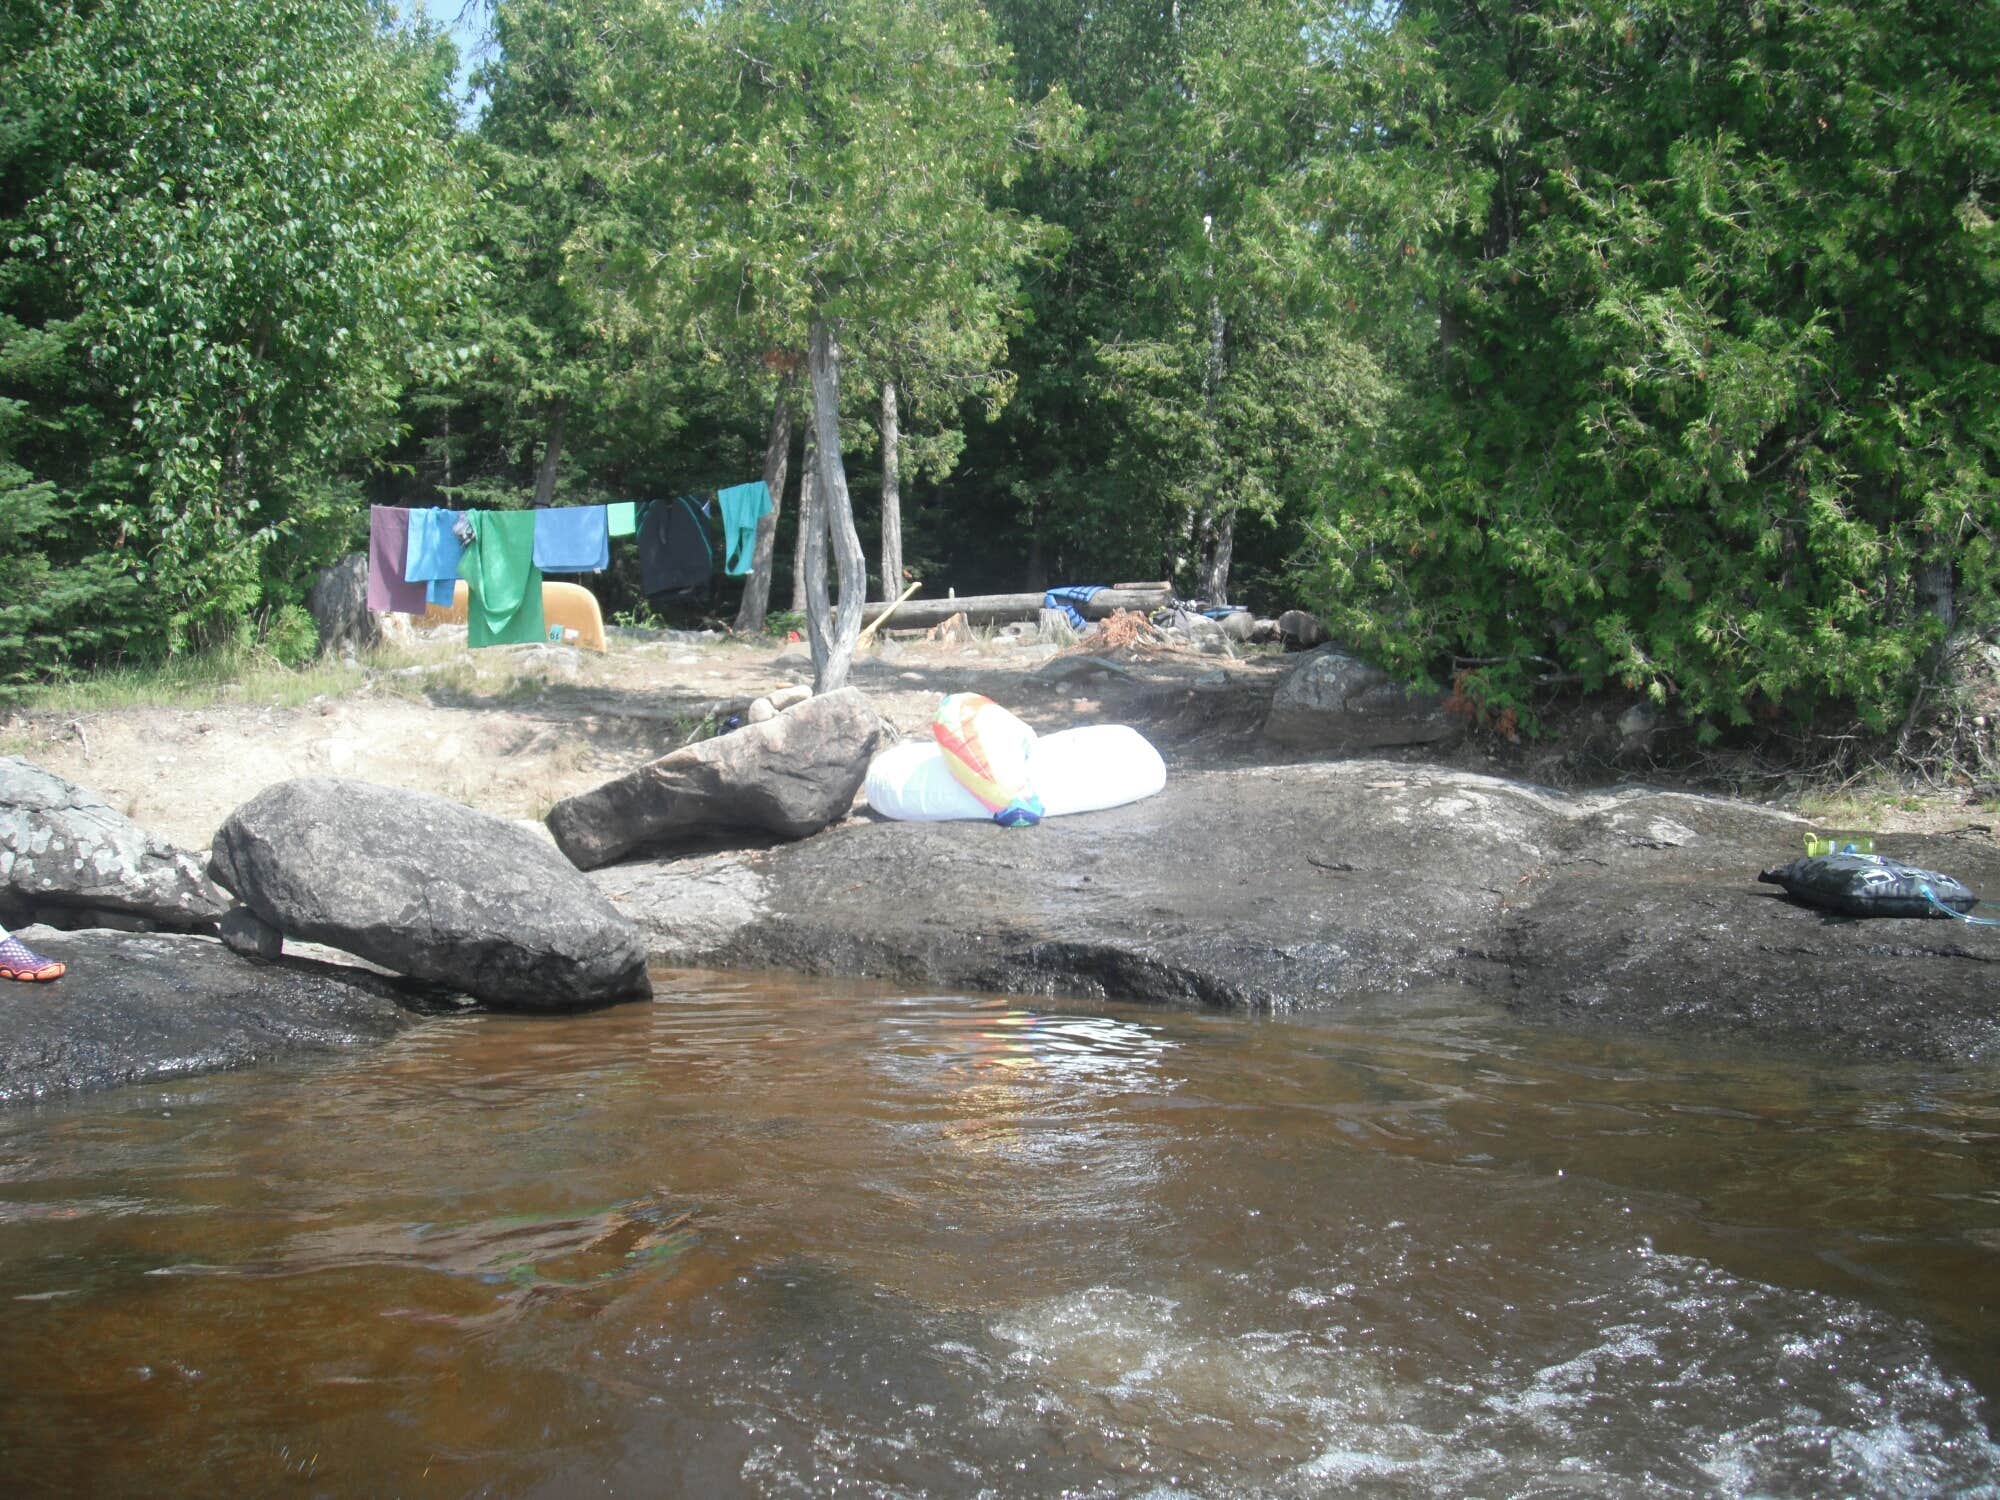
(762,1238)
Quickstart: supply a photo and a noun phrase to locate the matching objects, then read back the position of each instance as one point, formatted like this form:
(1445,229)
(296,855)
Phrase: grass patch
(197,681)
(1859,809)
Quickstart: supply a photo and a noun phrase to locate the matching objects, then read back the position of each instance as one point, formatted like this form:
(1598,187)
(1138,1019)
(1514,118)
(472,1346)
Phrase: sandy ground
(514,731)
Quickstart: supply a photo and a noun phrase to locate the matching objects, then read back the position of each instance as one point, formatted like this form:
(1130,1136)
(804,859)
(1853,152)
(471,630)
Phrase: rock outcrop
(141,1008)
(70,860)
(431,889)
(788,776)
(1310,887)
(1330,701)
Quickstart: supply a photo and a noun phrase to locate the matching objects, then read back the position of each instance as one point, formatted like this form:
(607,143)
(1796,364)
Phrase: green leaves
(1717,338)
(242,219)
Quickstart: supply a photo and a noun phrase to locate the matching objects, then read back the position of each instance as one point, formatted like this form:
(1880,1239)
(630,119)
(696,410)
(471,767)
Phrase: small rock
(760,711)
(1328,700)
(244,932)
(1638,721)
(1301,631)
(790,697)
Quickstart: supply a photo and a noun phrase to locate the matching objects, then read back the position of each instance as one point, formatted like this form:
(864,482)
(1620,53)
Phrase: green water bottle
(1818,844)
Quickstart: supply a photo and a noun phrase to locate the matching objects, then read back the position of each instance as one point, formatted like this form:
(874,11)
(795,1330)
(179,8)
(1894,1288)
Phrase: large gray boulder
(429,888)
(1328,700)
(138,1009)
(790,776)
(69,859)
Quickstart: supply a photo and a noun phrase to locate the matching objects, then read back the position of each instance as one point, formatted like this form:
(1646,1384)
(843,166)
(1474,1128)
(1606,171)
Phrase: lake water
(770,1238)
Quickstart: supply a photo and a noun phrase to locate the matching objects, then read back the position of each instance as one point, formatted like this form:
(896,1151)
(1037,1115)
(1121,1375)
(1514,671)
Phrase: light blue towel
(573,539)
(434,553)
(743,505)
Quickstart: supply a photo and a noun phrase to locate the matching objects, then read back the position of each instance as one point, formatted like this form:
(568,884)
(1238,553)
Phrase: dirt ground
(513,731)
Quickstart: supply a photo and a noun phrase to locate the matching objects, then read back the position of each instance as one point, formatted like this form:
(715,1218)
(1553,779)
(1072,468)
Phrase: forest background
(1538,346)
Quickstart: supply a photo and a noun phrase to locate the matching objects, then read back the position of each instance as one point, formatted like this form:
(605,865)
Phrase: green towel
(503,585)
(624,517)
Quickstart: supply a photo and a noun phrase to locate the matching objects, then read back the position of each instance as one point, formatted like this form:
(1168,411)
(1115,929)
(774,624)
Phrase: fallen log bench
(997,609)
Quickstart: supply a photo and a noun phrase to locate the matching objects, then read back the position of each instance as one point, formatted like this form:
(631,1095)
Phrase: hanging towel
(503,586)
(572,539)
(389,588)
(675,557)
(434,553)
(742,506)
(622,518)
(1068,597)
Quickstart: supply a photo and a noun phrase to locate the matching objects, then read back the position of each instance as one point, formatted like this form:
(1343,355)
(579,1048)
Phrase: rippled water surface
(768,1239)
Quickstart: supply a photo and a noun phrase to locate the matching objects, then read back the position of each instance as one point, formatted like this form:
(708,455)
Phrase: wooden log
(870,628)
(997,609)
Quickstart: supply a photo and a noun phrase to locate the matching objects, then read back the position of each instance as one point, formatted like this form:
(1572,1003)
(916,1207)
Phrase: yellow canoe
(569,605)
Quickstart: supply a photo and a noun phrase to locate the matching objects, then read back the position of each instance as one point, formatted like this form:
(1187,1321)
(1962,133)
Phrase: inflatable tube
(1095,767)
(1077,771)
(911,783)
(987,749)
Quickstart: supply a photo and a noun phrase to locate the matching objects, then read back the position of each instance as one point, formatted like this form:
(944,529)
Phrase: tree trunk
(892,497)
(1935,595)
(997,609)
(810,563)
(545,475)
(1215,567)
(777,459)
(810,519)
(842,624)
(1217,535)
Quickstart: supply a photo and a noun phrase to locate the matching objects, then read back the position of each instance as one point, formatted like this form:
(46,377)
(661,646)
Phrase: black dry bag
(1868,885)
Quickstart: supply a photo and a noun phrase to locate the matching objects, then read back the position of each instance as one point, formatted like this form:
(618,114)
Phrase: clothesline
(416,556)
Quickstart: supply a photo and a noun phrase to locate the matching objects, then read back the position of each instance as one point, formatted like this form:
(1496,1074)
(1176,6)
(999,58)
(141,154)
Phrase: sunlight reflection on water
(769,1238)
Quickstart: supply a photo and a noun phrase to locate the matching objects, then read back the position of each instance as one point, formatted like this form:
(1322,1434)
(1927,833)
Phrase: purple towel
(388,543)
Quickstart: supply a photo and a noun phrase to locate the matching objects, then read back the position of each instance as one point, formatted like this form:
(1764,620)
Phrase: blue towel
(434,553)
(1068,597)
(743,505)
(573,539)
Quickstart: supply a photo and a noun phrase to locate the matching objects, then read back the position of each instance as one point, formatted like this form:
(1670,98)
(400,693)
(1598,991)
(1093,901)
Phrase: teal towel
(743,505)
